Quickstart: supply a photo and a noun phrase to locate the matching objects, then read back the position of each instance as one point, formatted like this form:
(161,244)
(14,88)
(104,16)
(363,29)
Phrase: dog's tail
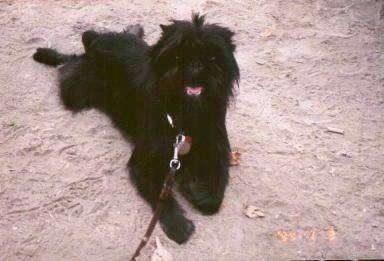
(51,57)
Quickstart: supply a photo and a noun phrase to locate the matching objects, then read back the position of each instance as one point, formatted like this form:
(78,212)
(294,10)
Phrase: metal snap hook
(175,164)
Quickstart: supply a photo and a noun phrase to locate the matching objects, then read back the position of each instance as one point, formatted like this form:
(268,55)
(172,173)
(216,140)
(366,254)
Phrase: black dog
(189,75)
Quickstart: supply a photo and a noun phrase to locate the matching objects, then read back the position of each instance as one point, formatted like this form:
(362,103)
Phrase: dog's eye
(212,58)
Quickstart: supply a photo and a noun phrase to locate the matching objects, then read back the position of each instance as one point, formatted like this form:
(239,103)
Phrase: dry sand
(305,66)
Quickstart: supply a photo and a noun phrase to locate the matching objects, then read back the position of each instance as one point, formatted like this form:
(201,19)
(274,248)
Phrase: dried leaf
(234,158)
(160,253)
(286,235)
(253,212)
(266,33)
(331,234)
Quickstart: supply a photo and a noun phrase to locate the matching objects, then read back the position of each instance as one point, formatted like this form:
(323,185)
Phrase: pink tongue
(194,90)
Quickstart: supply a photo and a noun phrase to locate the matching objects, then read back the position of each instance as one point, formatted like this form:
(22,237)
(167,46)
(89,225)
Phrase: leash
(166,191)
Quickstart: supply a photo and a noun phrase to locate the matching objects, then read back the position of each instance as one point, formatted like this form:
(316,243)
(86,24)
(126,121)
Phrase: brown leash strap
(166,191)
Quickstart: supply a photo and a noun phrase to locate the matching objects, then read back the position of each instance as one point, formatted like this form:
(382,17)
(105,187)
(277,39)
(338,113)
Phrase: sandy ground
(305,65)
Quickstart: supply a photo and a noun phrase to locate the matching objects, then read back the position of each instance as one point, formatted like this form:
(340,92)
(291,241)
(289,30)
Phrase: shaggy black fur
(136,85)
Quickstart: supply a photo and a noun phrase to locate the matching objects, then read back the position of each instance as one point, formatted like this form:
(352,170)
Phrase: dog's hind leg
(80,85)
(136,29)
(76,77)
(88,38)
(148,176)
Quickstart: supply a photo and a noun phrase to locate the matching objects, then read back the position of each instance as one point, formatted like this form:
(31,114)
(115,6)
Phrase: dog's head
(195,67)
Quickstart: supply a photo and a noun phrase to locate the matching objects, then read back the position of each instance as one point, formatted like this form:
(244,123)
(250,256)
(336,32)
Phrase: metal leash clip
(175,163)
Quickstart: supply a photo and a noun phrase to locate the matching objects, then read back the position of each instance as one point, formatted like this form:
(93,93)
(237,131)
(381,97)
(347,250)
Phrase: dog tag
(185,145)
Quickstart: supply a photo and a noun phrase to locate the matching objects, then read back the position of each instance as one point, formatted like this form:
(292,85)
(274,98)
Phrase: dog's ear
(225,33)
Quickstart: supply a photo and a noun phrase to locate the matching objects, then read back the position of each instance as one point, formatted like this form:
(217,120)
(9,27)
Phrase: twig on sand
(335,130)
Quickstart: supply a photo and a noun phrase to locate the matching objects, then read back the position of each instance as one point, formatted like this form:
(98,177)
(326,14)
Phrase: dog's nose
(196,67)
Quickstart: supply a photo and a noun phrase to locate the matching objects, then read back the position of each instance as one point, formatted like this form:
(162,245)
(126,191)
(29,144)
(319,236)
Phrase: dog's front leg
(147,172)
(207,172)
(206,192)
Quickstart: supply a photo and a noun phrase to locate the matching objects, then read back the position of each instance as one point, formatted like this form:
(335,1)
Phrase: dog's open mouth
(193,91)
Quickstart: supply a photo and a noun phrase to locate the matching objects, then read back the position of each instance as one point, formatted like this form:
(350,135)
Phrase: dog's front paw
(201,199)
(177,227)
(208,205)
